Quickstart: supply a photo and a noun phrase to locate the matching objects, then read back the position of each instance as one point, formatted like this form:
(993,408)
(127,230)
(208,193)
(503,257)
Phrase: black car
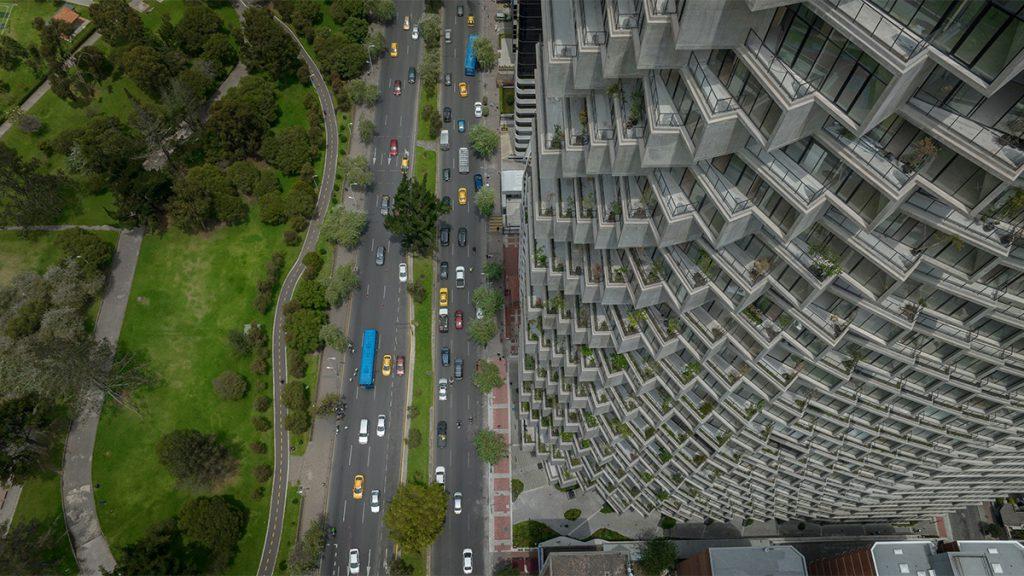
(458,368)
(446,356)
(442,434)
(446,203)
(462,236)
(444,270)
(447,113)
(447,174)
(446,233)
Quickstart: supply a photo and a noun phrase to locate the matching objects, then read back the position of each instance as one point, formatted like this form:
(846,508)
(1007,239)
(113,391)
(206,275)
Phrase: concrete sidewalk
(90,546)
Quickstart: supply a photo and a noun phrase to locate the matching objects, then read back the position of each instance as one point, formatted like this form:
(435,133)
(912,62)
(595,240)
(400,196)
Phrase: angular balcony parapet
(715,94)
(792,84)
(874,156)
(797,180)
(1009,149)
(899,39)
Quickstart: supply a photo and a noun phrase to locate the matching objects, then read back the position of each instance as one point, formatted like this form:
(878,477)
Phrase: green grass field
(289,530)
(187,293)
(23,79)
(35,252)
(428,97)
(423,378)
(426,166)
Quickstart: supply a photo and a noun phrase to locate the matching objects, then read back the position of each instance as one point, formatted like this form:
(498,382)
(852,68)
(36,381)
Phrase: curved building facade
(773,260)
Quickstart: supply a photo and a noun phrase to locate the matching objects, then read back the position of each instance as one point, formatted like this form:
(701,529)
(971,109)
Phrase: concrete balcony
(591,35)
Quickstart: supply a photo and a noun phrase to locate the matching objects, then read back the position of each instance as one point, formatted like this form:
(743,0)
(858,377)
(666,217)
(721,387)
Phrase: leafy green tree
(367,131)
(483,141)
(414,216)
(657,556)
(430,29)
(376,44)
(342,10)
(313,263)
(363,93)
(416,515)
(219,49)
(484,199)
(87,248)
(297,421)
(302,330)
(27,547)
(216,523)
(310,295)
(334,337)
(117,21)
(194,458)
(487,377)
(140,196)
(487,299)
(490,446)
(303,15)
(239,121)
(430,69)
(197,24)
(380,11)
(493,271)
(486,55)
(295,395)
(196,194)
(162,550)
(339,54)
(399,567)
(357,171)
(483,331)
(28,194)
(344,227)
(266,47)
(12,53)
(289,150)
(230,385)
(105,146)
(28,433)
(148,67)
(305,555)
(342,284)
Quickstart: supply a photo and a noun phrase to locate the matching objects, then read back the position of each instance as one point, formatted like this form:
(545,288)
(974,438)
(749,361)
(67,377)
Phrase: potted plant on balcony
(919,153)
(583,118)
(614,211)
(759,268)
(557,138)
(824,261)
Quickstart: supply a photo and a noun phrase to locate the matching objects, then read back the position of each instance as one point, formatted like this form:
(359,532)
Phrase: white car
(442,389)
(479,313)
(363,436)
(380,426)
(353,561)
(439,475)
(458,502)
(460,276)
(467,561)
(415,32)
(375,501)
(478,109)
(403,272)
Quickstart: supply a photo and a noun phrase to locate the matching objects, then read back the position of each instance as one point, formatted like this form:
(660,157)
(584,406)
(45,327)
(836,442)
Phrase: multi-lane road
(383,305)
(464,471)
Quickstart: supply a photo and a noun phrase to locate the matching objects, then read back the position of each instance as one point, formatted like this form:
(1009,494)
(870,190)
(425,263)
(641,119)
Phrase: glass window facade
(983,36)
(745,89)
(829,62)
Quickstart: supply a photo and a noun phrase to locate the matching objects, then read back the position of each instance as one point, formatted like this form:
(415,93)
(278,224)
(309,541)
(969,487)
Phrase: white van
(444,139)
(364,431)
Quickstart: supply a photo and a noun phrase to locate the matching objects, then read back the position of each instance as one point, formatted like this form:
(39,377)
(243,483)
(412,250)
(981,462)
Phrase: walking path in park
(92,552)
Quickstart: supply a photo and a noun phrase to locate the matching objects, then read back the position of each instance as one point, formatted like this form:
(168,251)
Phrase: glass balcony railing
(881,161)
(988,139)
(800,183)
(726,190)
(793,85)
(592,31)
(664,110)
(717,97)
(564,49)
(676,202)
(903,43)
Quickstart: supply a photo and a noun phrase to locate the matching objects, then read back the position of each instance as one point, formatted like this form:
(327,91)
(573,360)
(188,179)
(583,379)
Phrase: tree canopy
(486,55)
(117,21)
(342,284)
(416,515)
(483,331)
(28,195)
(344,227)
(266,47)
(239,121)
(490,446)
(195,458)
(487,299)
(484,200)
(27,433)
(487,377)
(216,523)
(483,141)
(414,216)
(657,556)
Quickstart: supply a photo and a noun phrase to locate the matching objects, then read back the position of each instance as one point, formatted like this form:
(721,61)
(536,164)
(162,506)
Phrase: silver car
(380,256)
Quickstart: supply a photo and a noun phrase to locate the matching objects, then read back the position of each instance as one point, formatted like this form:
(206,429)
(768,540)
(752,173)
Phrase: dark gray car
(447,114)
(446,356)
(458,368)
(442,434)
(462,236)
(446,233)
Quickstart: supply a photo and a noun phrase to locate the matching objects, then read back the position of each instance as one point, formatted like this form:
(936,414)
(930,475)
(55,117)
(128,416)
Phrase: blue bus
(470,56)
(367,366)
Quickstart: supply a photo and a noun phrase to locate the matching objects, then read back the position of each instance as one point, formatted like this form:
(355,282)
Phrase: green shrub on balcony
(649,432)
(591,420)
(706,407)
(567,436)
(646,476)
(618,363)
(664,456)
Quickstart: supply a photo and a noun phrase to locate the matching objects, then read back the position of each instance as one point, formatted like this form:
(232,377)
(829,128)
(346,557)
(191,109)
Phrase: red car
(398,87)
(458,319)
(394,146)
(400,366)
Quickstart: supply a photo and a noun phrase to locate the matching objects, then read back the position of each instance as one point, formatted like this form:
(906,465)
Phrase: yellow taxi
(357,487)
(463,89)
(405,23)
(394,49)
(443,297)
(405,163)
(470,21)
(463,196)
(385,365)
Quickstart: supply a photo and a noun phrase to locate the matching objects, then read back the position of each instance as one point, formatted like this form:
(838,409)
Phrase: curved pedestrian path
(279,489)
(92,552)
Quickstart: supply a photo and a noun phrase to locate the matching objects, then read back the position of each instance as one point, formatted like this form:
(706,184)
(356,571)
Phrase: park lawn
(426,166)
(428,98)
(608,534)
(529,533)
(418,459)
(35,252)
(23,79)
(290,101)
(187,293)
(289,529)
(91,210)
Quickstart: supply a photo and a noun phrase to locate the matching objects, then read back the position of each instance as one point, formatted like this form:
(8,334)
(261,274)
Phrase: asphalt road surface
(278,491)
(382,305)
(464,471)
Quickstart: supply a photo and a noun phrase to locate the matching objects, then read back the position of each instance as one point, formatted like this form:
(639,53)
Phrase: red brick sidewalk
(501,478)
